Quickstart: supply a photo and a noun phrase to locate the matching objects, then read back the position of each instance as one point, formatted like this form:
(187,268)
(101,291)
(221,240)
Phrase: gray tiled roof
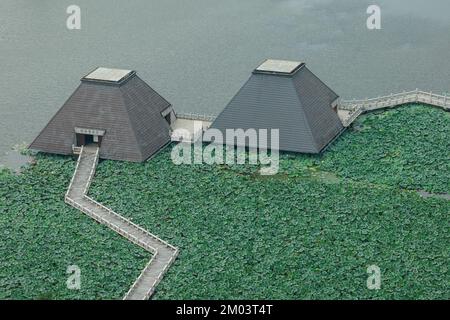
(298,104)
(129,112)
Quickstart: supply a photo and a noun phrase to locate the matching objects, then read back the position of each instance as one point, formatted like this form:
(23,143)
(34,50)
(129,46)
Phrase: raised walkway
(163,254)
(349,110)
(187,129)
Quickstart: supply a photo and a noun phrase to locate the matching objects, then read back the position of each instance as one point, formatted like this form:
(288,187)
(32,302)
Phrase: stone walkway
(349,110)
(164,254)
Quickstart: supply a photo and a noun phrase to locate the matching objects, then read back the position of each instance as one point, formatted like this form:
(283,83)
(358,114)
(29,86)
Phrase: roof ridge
(129,121)
(320,80)
(305,115)
(151,88)
(54,116)
(306,112)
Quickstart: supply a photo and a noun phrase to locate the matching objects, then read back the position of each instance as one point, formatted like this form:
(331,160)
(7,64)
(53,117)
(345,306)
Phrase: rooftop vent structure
(286,96)
(281,67)
(115,76)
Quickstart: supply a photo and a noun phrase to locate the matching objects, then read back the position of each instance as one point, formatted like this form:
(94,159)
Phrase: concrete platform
(187,129)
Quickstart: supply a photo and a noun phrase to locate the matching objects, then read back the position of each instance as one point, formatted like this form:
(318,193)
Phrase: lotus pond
(309,232)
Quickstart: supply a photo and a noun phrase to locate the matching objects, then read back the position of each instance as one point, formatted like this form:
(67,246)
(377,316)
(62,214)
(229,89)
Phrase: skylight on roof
(279,66)
(108,75)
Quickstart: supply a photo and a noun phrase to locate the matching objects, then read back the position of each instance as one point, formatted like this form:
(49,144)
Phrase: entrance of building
(85,139)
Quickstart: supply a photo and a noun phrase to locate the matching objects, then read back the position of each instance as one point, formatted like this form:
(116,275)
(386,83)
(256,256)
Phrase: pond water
(198,53)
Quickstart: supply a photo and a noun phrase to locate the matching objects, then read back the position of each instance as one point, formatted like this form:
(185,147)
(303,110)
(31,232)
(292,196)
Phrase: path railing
(357,107)
(149,237)
(92,172)
(187,137)
(156,281)
(73,176)
(76,150)
(110,225)
(415,96)
(352,117)
(196,116)
(129,222)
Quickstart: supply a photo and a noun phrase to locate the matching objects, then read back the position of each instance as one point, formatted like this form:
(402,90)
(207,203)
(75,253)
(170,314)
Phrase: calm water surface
(198,53)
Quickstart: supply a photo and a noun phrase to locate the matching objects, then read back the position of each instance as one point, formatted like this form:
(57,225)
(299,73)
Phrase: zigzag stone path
(163,253)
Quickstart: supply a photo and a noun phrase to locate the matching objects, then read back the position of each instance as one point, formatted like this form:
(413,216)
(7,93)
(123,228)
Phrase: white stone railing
(352,117)
(130,223)
(92,172)
(157,280)
(357,107)
(77,150)
(196,116)
(73,176)
(391,100)
(110,225)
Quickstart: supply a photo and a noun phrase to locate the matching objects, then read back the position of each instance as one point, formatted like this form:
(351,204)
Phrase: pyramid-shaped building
(285,95)
(115,109)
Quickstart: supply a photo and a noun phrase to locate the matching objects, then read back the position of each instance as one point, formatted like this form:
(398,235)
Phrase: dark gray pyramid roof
(121,104)
(287,96)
